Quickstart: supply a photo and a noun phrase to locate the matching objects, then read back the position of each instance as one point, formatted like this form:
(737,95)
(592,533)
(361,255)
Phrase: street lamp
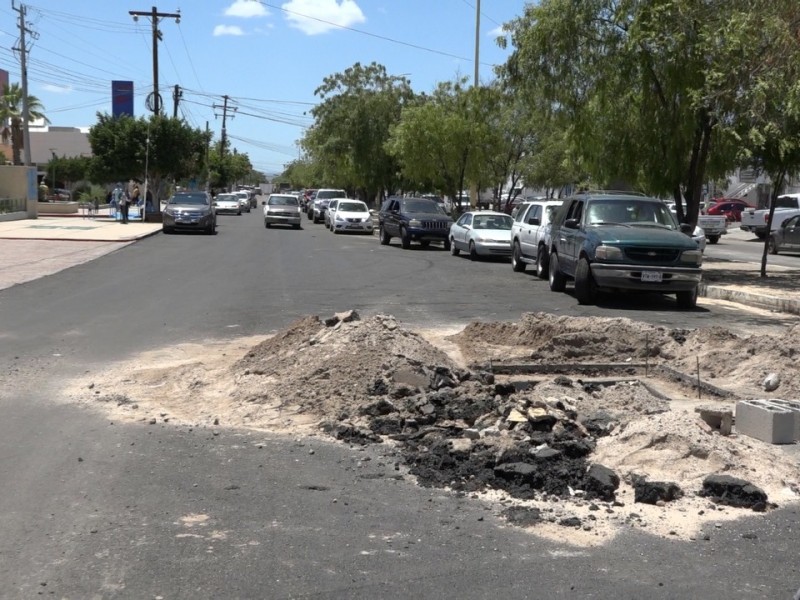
(53,154)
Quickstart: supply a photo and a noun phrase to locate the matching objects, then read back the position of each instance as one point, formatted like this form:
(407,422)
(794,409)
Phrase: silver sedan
(481,233)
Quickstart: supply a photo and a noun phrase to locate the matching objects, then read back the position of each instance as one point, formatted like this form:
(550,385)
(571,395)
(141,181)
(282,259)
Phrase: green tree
(68,170)
(443,141)
(352,122)
(158,147)
(770,123)
(644,90)
(11,113)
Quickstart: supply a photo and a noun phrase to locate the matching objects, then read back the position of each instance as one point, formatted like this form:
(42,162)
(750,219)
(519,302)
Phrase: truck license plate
(651,276)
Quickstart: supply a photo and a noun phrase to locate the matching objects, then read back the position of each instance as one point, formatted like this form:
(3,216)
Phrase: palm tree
(11,117)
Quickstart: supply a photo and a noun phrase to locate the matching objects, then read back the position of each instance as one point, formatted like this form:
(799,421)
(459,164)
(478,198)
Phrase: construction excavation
(574,428)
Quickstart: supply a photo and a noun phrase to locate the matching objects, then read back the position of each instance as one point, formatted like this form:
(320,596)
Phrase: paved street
(93,508)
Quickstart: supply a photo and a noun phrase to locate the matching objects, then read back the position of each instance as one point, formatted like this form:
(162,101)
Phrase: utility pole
(177,94)
(474,193)
(224,134)
(155,16)
(23,52)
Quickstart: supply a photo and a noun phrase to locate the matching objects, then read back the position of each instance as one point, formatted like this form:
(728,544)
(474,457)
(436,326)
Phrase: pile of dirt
(558,451)
(738,362)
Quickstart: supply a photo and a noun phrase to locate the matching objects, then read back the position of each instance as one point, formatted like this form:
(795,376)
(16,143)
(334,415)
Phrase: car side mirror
(687,229)
(571,223)
(263,202)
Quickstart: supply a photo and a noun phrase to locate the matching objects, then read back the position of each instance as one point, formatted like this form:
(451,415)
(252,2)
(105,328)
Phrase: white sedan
(227,203)
(351,216)
(481,233)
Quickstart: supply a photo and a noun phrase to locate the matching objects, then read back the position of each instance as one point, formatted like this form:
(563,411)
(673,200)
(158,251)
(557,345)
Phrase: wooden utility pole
(177,94)
(155,16)
(224,134)
(23,53)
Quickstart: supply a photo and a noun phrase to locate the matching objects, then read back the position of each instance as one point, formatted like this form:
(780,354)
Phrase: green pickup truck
(620,241)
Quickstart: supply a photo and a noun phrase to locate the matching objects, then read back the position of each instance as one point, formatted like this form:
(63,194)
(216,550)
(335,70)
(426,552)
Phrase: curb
(757,300)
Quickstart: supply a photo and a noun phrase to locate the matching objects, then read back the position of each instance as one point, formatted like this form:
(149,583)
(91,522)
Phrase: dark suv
(414,219)
(611,241)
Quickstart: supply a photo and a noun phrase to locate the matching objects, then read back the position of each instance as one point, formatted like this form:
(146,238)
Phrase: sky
(268,57)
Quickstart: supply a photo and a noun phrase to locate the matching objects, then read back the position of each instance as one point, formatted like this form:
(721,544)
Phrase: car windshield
(189,199)
(282,201)
(492,222)
(352,207)
(610,212)
(422,206)
(226,198)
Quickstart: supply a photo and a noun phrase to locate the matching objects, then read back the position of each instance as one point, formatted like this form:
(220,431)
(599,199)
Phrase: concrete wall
(19,182)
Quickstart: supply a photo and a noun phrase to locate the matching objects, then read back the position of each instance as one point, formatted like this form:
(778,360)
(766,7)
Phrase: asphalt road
(95,509)
(743,246)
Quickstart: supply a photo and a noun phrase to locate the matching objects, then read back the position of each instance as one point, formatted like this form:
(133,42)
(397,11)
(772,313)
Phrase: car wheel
(167,230)
(558,281)
(296,226)
(239,214)
(335,231)
(772,245)
(384,237)
(585,287)
(267,225)
(473,254)
(761,236)
(448,246)
(424,243)
(687,299)
(712,239)
(541,262)
(405,239)
(516,259)
(453,250)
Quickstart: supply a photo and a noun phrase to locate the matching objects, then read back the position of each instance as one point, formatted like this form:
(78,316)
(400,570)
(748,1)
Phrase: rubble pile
(575,451)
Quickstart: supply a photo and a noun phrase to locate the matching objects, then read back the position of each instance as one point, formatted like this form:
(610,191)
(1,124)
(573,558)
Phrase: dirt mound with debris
(736,362)
(594,455)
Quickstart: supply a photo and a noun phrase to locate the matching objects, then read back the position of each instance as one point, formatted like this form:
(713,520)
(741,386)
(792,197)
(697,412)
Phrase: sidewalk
(51,244)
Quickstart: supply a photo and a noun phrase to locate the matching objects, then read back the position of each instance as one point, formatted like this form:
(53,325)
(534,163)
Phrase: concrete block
(794,406)
(718,419)
(765,421)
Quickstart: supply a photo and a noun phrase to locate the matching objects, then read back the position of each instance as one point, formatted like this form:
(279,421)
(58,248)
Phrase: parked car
(413,220)
(244,199)
(730,208)
(228,203)
(786,237)
(755,221)
(189,211)
(326,218)
(612,241)
(320,204)
(481,233)
(351,216)
(281,209)
(530,235)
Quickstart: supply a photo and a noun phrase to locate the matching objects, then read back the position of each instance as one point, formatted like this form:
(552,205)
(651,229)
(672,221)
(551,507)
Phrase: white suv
(530,235)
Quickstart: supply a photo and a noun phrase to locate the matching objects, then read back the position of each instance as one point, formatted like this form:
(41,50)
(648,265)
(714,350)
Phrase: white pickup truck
(755,221)
(713,226)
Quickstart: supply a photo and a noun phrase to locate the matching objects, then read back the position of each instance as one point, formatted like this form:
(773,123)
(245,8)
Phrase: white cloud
(246,9)
(497,32)
(57,89)
(313,17)
(228,30)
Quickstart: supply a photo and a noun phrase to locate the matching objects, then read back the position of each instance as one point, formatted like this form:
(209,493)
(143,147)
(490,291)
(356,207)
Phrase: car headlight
(368,220)
(608,253)
(170,211)
(338,218)
(692,257)
(415,223)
